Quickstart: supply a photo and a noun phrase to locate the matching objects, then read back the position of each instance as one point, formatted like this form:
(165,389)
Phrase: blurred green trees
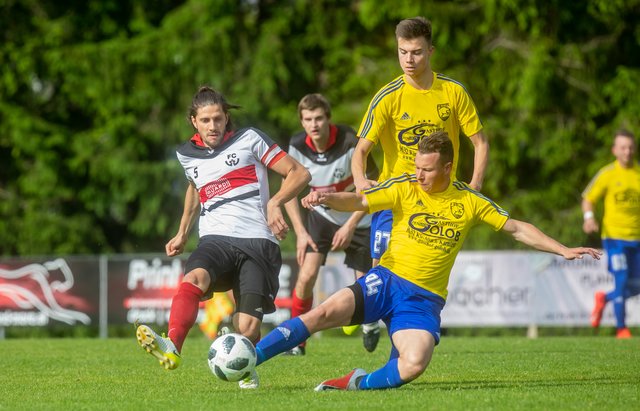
(93,99)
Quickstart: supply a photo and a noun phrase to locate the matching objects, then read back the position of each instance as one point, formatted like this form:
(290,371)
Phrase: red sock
(300,306)
(184,311)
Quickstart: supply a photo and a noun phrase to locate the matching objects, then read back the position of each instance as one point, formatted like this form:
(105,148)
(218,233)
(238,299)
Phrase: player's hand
(312,199)
(302,242)
(590,226)
(342,238)
(175,246)
(276,221)
(363,184)
(579,252)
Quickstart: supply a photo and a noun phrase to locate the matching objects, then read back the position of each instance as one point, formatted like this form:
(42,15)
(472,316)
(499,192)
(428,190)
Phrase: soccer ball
(232,357)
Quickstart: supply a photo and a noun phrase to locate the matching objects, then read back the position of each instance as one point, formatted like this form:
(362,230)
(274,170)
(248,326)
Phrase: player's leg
(414,324)
(201,267)
(255,287)
(415,349)
(628,285)
(601,298)
(619,267)
(381,224)
(302,300)
(247,321)
(337,310)
(184,310)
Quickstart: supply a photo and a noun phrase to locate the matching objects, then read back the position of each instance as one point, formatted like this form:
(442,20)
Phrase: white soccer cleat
(160,347)
(251,382)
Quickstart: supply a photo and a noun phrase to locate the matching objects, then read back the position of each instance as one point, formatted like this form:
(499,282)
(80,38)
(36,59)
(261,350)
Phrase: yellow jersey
(429,229)
(620,188)
(399,115)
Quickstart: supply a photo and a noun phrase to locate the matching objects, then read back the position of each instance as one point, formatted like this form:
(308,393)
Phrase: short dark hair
(206,96)
(624,133)
(314,101)
(413,28)
(437,142)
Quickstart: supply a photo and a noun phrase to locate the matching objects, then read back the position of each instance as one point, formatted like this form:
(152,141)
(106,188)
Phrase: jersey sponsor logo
(412,135)
(433,226)
(236,178)
(457,209)
(630,198)
(444,112)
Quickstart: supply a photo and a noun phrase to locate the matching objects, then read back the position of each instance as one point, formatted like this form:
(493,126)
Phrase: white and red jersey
(331,170)
(232,182)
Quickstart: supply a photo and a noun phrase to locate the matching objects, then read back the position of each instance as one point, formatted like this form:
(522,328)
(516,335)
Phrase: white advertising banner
(511,288)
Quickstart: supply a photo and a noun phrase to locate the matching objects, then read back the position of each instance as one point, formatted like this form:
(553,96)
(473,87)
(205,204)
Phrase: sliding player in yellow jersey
(413,105)
(619,184)
(407,290)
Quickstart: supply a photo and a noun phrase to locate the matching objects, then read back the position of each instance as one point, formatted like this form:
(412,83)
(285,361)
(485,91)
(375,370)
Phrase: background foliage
(93,99)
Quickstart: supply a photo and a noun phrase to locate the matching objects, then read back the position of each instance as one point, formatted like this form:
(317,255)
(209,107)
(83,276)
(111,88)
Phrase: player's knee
(412,365)
(198,277)
(250,329)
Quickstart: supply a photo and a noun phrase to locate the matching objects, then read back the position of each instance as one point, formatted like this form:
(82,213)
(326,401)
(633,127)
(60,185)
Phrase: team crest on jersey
(457,209)
(232,160)
(444,111)
(339,173)
(410,136)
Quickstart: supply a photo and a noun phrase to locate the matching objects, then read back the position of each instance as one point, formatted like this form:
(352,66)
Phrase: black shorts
(358,254)
(244,265)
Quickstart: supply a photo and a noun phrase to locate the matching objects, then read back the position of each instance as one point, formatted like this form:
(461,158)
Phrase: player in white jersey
(325,149)
(239,225)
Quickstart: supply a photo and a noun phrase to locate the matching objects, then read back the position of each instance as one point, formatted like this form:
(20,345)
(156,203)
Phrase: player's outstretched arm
(480,159)
(343,201)
(296,177)
(530,235)
(175,246)
(359,165)
(303,238)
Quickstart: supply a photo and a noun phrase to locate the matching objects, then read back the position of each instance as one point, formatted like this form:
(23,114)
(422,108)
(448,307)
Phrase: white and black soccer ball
(232,357)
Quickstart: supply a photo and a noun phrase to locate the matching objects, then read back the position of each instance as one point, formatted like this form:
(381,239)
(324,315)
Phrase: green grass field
(498,373)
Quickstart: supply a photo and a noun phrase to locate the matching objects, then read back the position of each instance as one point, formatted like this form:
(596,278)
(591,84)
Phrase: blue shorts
(623,257)
(401,304)
(381,222)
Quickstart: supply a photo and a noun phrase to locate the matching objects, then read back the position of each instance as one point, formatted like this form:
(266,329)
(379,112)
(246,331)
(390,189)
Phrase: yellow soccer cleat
(160,347)
(350,329)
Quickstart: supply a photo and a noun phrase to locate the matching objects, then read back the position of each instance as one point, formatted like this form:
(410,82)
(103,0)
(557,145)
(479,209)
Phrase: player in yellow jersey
(415,104)
(619,184)
(408,289)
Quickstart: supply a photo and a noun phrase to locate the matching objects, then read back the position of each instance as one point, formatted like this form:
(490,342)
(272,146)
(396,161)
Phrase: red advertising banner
(113,290)
(43,292)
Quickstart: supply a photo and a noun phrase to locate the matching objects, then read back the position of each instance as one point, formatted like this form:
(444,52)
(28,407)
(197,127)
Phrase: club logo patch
(457,209)
(444,111)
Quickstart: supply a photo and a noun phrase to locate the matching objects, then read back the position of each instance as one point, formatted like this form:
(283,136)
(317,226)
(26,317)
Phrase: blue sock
(394,354)
(386,377)
(284,337)
(619,311)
